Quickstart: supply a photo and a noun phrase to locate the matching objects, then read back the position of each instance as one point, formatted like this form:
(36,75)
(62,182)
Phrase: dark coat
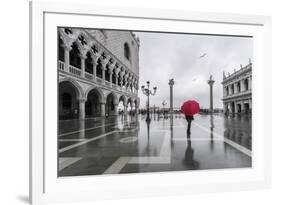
(189,117)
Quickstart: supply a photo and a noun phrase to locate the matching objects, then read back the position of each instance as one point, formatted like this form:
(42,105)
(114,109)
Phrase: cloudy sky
(164,56)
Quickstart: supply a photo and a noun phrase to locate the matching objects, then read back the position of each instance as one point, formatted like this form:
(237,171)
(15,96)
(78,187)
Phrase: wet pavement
(118,145)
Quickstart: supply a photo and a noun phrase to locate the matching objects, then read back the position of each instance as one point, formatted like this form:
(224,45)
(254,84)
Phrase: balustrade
(107,83)
(76,71)
(61,65)
(99,80)
(89,76)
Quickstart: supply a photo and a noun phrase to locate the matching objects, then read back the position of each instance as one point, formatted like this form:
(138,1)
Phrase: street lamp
(148,92)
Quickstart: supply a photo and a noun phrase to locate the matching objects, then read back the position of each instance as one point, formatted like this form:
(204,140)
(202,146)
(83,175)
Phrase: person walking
(189,119)
(190,108)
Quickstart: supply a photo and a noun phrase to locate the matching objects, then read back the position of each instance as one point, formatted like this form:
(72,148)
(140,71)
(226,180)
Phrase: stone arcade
(237,90)
(98,72)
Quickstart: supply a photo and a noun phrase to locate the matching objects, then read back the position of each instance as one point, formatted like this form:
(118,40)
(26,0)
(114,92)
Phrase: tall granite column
(171,84)
(211,83)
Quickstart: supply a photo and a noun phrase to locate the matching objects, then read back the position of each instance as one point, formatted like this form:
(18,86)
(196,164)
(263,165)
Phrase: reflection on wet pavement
(116,145)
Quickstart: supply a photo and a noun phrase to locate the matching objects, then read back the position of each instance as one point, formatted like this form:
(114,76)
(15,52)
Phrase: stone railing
(74,70)
(90,77)
(99,80)
(107,83)
(61,65)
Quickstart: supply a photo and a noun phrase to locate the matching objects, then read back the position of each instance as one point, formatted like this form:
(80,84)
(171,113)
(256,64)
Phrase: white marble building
(237,90)
(97,69)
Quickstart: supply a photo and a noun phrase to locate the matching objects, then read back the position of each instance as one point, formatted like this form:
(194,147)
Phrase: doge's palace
(97,70)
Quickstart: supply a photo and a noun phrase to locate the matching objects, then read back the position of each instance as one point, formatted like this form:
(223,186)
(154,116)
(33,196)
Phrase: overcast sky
(164,56)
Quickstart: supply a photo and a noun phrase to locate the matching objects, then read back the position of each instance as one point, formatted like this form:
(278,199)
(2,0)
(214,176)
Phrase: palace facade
(97,70)
(237,90)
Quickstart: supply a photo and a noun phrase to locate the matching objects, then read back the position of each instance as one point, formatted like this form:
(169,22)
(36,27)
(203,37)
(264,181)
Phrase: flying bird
(202,56)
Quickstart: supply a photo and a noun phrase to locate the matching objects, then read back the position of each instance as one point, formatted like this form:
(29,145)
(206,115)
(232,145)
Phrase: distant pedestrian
(190,108)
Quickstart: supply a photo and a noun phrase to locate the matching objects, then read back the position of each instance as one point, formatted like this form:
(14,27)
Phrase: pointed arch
(98,90)
(78,88)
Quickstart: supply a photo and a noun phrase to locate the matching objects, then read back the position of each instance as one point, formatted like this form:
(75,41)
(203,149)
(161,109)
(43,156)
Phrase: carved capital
(104,61)
(82,100)
(122,73)
(111,66)
(117,70)
(67,47)
(83,56)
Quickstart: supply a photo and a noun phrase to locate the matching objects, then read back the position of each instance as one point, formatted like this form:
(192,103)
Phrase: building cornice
(243,70)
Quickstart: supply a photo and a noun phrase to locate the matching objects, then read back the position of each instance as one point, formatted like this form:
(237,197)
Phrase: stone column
(103,62)
(250,83)
(211,83)
(115,108)
(103,74)
(102,106)
(67,49)
(125,81)
(94,70)
(242,106)
(110,76)
(235,88)
(111,67)
(122,79)
(171,84)
(82,109)
(82,57)
(125,109)
(242,85)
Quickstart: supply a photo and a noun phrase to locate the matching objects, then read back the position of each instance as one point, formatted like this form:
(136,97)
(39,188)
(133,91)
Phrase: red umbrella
(190,107)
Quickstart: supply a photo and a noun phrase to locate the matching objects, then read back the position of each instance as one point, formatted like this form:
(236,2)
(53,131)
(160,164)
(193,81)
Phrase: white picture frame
(45,187)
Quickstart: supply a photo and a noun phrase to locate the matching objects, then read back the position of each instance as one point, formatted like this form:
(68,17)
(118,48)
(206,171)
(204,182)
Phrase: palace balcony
(95,80)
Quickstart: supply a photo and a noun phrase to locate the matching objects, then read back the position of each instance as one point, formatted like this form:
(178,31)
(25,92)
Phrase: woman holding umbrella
(189,119)
(190,108)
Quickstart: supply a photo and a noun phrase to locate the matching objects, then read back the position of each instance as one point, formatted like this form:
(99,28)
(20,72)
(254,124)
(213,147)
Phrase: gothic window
(246,84)
(107,74)
(232,89)
(119,79)
(127,51)
(75,56)
(238,87)
(99,68)
(114,77)
(89,63)
(61,50)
